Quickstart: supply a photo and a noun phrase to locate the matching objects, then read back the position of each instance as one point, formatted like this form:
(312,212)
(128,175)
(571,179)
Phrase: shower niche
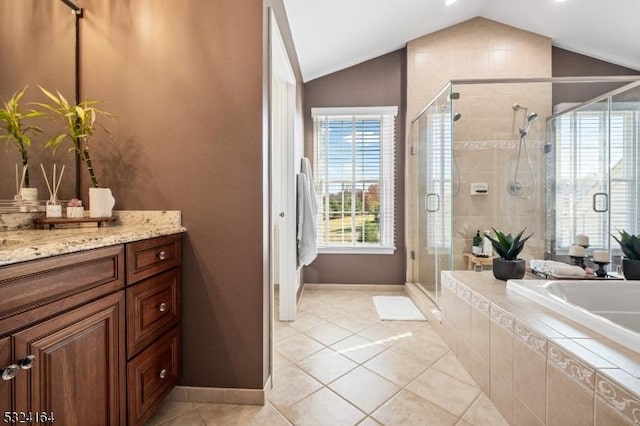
(533,144)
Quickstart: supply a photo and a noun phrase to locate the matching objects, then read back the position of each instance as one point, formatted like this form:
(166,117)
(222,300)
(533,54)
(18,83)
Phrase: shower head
(457,116)
(517,107)
(532,117)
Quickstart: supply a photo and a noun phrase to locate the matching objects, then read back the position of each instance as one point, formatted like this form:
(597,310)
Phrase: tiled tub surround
(536,366)
(18,243)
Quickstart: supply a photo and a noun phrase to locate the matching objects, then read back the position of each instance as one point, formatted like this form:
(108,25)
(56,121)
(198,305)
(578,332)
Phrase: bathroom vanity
(91,336)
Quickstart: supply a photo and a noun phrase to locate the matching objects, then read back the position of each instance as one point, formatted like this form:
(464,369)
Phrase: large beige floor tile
(483,412)
(398,367)
(169,410)
(408,409)
(290,385)
(190,418)
(227,414)
(297,347)
(425,352)
(449,364)
(364,389)
(323,408)
(389,333)
(306,320)
(280,361)
(352,323)
(282,330)
(358,348)
(327,365)
(447,392)
(328,333)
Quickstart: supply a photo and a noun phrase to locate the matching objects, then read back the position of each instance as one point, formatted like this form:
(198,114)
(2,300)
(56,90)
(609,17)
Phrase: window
(597,168)
(354,173)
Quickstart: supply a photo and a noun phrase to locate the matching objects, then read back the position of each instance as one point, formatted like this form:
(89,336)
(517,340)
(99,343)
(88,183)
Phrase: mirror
(38,45)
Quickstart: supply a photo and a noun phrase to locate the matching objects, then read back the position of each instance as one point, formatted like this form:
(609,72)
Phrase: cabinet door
(79,370)
(5,385)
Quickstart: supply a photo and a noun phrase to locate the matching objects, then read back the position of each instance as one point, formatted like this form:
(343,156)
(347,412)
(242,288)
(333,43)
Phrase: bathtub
(609,308)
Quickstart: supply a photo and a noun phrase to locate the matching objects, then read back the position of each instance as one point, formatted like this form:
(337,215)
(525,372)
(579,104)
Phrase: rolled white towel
(558,269)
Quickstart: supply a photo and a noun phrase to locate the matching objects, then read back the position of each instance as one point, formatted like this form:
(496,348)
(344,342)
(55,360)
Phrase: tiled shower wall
(486,137)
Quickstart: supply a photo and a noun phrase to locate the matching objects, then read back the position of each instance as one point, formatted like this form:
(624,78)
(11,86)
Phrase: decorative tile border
(578,371)
(464,293)
(530,338)
(449,282)
(486,144)
(618,398)
(480,303)
(502,318)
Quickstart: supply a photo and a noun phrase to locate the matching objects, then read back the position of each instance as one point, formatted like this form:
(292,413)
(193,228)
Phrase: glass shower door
(433,209)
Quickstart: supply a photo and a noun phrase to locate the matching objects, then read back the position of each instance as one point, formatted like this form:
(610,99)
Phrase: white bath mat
(397,308)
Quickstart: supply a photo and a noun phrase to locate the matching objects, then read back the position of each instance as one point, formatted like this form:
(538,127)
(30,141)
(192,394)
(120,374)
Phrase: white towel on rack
(305,168)
(306,229)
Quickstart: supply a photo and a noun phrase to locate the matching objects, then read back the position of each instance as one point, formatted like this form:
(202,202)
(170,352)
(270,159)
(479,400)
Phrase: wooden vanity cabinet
(106,350)
(153,318)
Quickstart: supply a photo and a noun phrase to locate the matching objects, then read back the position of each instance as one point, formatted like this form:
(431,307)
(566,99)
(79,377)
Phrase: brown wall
(380,81)
(568,64)
(187,85)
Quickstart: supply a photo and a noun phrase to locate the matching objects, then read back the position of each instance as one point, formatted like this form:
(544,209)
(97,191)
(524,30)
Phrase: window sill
(356,250)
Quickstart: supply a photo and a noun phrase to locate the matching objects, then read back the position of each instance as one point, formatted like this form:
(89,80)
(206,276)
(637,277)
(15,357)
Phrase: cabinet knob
(162,307)
(10,372)
(163,373)
(162,255)
(27,362)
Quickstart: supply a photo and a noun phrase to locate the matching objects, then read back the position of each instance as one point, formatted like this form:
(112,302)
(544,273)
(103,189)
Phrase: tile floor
(338,364)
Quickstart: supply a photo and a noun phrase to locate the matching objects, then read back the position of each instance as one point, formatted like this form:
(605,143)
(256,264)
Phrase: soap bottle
(487,247)
(477,244)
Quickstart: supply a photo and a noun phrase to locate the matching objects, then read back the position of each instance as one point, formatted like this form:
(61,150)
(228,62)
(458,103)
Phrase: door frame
(282,91)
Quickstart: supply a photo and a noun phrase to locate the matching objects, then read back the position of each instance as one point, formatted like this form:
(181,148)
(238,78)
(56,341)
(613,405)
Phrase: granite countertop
(20,243)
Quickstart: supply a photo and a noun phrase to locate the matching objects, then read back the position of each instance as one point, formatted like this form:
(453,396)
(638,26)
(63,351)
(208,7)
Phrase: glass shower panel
(582,176)
(434,212)
(624,163)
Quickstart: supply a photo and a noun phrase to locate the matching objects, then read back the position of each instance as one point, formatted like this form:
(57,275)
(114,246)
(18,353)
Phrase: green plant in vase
(630,246)
(80,123)
(508,247)
(15,130)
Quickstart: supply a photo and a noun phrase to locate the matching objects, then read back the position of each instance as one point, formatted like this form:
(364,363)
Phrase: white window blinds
(354,158)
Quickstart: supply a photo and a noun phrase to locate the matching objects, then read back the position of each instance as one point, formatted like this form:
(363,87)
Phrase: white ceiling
(330,35)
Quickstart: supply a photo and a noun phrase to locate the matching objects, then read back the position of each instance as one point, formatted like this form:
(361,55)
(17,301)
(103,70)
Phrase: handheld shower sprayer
(516,187)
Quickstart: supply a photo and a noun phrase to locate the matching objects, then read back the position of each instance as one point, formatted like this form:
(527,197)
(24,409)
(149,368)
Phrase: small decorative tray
(53,221)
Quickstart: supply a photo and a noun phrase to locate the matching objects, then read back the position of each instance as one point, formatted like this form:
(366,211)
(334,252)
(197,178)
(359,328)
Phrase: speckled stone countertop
(19,242)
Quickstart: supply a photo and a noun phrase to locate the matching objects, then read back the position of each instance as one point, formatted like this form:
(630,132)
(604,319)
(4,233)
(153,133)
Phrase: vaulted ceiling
(330,35)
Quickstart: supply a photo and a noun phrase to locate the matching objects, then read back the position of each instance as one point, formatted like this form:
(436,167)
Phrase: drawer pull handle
(10,372)
(162,307)
(162,255)
(27,362)
(163,373)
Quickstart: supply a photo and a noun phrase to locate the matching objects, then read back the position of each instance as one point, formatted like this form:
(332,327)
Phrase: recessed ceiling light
(449,2)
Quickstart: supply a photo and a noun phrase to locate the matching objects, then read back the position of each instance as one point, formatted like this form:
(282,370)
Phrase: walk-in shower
(544,170)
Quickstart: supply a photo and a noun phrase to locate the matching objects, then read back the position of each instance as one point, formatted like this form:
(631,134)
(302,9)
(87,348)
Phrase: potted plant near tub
(507,265)
(80,124)
(630,246)
(17,132)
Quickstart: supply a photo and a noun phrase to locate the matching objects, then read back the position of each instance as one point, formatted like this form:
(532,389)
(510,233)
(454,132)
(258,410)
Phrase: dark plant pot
(508,269)
(631,268)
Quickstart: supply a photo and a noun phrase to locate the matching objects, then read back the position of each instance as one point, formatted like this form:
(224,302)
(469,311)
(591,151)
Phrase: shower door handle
(427,202)
(603,206)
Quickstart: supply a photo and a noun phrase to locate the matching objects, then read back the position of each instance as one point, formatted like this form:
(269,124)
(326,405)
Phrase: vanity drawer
(148,257)
(35,284)
(151,376)
(153,307)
